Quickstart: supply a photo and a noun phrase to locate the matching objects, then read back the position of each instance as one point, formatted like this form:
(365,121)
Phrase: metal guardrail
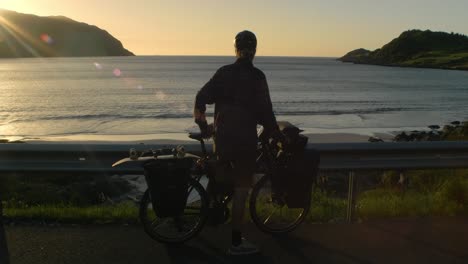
(25,158)
(408,155)
(92,158)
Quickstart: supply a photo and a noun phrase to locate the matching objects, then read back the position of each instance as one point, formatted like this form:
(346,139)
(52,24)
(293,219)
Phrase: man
(242,100)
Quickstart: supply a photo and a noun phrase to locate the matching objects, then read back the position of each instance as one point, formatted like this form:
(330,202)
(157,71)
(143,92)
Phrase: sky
(322,28)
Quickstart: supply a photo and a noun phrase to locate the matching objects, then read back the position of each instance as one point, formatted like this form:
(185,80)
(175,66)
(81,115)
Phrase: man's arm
(205,96)
(266,116)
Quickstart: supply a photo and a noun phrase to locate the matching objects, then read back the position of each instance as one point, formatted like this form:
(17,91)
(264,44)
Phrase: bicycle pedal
(279,201)
(218,216)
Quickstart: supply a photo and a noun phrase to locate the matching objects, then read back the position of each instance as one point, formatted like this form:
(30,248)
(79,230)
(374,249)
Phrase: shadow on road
(316,253)
(207,252)
(417,234)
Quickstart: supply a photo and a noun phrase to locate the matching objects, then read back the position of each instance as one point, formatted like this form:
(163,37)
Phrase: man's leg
(243,182)
(238,209)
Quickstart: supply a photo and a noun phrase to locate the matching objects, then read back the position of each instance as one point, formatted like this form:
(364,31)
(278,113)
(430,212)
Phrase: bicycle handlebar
(203,125)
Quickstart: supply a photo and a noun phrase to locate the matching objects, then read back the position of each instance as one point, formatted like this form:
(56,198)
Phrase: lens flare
(98,66)
(117,72)
(47,39)
(161,96)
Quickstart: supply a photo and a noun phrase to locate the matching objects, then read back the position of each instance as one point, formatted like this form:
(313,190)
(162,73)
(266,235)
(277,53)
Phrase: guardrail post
(4,255)
(351,197)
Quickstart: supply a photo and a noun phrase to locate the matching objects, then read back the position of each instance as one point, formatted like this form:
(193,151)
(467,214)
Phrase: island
(24,35)
(417,48)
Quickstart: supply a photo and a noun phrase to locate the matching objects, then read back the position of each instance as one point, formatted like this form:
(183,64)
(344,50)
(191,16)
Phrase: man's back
(241,97)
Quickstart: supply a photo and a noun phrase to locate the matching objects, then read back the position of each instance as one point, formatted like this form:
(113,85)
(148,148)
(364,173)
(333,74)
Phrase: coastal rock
(356,56)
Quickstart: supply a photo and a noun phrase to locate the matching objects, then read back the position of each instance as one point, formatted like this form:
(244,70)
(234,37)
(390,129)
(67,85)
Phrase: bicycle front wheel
(273,215)
(174,230)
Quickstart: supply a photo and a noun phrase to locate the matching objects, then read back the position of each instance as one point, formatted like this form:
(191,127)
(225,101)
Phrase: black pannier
(168,181)
(299,173)
(295,170)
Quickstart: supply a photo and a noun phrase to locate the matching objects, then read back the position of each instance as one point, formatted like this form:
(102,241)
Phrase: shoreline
(432,67)
(181,138)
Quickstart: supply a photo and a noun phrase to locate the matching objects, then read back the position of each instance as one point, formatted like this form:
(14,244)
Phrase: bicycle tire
(256,196)
(146,215)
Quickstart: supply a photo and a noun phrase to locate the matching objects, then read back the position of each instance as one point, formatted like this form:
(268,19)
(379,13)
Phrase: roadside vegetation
(125,212)
(428,193)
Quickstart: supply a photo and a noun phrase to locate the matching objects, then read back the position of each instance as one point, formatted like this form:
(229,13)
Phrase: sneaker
(245,248)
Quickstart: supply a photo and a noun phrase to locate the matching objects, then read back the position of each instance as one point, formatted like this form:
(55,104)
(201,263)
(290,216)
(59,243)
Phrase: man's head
(245,44)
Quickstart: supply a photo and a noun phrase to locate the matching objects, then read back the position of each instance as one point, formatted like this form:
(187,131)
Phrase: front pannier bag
(168,181)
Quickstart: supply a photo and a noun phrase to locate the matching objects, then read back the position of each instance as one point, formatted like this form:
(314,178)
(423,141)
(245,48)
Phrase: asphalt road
(429,240)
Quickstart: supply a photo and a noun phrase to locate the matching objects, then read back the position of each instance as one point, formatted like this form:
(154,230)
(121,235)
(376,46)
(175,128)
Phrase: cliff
(23,35)
(416,48)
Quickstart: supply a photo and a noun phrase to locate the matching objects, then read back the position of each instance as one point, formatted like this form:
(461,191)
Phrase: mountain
(417,48)
(23,35)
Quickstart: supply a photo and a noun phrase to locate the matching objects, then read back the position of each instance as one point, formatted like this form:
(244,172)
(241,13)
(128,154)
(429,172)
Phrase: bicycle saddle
(197,136)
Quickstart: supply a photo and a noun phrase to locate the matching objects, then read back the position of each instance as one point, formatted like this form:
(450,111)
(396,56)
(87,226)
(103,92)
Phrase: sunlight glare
(20,35)
(161,95)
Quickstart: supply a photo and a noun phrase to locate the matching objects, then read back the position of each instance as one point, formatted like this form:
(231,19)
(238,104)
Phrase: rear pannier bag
(295,170)
(299,174)
(168,181)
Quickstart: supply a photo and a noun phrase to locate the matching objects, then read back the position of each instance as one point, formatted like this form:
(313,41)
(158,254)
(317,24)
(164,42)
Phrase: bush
(78,190)
(326,207)
(453,196)
(440,197)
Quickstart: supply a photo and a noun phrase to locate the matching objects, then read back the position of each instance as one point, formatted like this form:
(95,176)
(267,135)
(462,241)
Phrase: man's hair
(245,44)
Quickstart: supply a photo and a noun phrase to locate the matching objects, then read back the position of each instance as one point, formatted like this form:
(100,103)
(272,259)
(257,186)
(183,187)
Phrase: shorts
(241,171)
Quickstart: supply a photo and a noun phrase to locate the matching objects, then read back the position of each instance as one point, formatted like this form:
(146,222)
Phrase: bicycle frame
(265,158)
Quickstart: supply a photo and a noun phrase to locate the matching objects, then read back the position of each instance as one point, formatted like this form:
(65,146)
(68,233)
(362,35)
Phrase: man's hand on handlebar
(278,137)
(200,119)
(274,137)
(207,130)
(199,116)
(210,130)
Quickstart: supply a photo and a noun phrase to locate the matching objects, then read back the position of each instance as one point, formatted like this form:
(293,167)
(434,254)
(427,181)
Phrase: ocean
(145,97)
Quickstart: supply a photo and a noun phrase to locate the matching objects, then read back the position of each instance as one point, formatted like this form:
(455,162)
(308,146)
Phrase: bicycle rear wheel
(273,215)
(174,230)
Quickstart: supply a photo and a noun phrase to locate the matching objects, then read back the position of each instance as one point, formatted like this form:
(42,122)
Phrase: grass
(120,213)
(373,204)
(438,59)
(444,198)
(384,204)
(431,193)
(326,208)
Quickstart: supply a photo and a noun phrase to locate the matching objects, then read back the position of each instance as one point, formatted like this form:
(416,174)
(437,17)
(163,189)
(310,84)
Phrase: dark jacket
(242,100)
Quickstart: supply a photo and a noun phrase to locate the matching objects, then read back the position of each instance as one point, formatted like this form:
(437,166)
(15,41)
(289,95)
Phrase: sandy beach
(182,138)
